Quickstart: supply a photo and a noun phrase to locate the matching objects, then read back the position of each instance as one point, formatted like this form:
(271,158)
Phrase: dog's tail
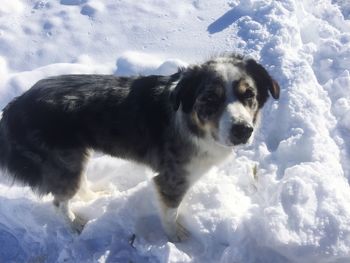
(17,161)
(3,147)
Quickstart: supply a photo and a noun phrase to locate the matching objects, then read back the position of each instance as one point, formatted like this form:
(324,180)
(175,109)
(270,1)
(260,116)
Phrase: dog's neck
(207,153)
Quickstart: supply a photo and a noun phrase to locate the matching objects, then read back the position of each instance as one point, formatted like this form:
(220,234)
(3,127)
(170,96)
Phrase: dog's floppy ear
(186,91)
(262,78)
(275,89)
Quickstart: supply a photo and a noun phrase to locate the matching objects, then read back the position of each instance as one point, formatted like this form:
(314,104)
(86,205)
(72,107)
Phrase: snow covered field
(296,208)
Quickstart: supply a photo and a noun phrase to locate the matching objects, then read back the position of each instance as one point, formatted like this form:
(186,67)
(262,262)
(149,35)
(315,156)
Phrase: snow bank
(285,198)
(136,63)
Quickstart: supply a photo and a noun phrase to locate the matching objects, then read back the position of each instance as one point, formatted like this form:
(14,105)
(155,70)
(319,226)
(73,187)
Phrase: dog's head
(222,98)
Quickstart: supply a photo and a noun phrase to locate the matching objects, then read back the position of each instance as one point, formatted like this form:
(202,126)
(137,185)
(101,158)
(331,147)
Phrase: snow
(284,198)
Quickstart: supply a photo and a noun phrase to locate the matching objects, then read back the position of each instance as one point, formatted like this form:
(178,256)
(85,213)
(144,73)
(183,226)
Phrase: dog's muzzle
(240,133)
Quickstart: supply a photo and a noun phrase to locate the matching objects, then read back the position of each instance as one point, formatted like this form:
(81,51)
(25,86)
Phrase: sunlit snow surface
(297,206)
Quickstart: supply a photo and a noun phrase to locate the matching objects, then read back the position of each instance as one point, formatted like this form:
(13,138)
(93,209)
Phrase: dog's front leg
(171,189)
(75,222)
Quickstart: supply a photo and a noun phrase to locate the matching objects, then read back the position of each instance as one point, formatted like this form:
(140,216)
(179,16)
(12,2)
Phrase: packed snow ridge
(285,198)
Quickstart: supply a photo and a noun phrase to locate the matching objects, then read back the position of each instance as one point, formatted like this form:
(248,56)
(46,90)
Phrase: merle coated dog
(179,125)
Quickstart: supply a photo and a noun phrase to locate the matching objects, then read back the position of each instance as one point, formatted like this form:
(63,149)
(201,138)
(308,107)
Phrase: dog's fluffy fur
(179,125)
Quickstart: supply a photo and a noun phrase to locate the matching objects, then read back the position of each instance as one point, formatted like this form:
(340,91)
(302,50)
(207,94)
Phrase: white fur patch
(209,153)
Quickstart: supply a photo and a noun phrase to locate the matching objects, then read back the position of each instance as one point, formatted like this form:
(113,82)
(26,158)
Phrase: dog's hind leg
(171,189)
(62,178)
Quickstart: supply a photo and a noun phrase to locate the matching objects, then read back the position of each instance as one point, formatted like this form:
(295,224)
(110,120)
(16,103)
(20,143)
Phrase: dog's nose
(240,133)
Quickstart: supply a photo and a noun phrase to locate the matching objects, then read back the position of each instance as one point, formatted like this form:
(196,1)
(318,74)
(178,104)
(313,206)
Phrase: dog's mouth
(232,141)
(227,143)
(236,142)
(240,143)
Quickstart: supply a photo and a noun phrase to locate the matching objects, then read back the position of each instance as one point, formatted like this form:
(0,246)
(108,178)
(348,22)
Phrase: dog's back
(45,134)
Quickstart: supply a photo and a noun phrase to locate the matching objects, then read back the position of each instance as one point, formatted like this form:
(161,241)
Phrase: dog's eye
(208,105)
(242,90)
(211,98)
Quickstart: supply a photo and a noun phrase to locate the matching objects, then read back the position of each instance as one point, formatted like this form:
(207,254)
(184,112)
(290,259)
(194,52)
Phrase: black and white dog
(179,125)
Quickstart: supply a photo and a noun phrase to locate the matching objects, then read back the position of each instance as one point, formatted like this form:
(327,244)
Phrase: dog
(179,125)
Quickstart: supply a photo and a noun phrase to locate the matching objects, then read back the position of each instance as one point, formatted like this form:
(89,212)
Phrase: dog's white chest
(208,155)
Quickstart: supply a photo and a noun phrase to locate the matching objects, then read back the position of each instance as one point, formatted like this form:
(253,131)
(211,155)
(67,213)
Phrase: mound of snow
(136,63)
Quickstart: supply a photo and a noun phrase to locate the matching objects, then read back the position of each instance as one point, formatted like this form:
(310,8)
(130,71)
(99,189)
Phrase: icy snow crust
(285,198)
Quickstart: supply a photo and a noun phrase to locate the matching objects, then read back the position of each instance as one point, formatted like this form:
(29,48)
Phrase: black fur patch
(263,81)
(188,88)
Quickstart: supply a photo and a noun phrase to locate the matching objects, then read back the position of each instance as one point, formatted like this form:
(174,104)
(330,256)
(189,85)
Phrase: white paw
(78,224)
(88,195)
(177,233)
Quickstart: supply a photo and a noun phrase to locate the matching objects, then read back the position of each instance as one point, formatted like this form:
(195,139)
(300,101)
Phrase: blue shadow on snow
(224,21)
